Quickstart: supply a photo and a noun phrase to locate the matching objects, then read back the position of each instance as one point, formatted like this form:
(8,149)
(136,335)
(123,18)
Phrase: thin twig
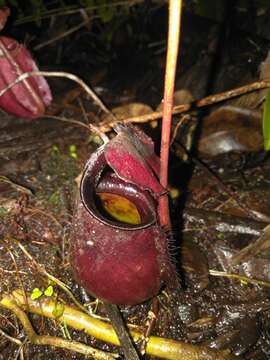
(71,10)
(241,278)
(15,341)
(200,219)
(34,211)
(258,246)
(107,126)
(256,215)
(119,326)
(18,274)
(70,121)
(150,323)
(10,338)
(15,186)
(58,282)
(207,101)
(62,35)
(62,74)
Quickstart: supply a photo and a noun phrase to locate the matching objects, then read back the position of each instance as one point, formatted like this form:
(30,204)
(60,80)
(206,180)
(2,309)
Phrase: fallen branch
(156,346)
(179,109)
(184,108)
(9,303)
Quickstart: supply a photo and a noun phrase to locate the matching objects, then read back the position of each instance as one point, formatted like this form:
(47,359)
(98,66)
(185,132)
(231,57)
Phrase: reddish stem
(175,7)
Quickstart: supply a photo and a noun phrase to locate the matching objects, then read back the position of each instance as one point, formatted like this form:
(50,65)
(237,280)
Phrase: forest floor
(219,203)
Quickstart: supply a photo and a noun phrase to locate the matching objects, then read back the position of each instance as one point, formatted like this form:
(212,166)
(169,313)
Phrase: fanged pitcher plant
(116,260)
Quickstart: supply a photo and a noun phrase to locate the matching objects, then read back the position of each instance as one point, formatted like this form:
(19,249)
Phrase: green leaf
(49,291)
(36,294)
(266,121)
(95,139)
(55,151)
(73,151)
(54,199)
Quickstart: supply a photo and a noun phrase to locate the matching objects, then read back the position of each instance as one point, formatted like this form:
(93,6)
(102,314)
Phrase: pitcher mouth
(128,167)
(109,183)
